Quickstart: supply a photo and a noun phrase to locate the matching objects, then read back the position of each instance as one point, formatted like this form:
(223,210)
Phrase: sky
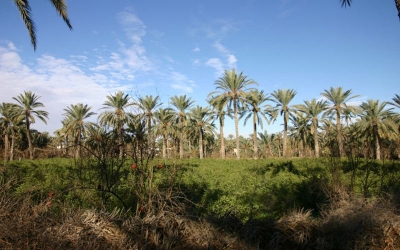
(169,48)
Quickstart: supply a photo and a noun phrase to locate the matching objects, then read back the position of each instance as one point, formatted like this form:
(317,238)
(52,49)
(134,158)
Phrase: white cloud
(58,81)
(130,59)
(196,62)
(181,82)
(217,64)
(197,49)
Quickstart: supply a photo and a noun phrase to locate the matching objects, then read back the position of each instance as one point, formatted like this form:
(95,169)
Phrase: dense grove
(148,177)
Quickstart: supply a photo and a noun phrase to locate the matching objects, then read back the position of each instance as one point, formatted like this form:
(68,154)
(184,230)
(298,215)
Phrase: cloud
(131,57)
(181,82)
(197,49)
(217,63)
(196,62)
(58,81)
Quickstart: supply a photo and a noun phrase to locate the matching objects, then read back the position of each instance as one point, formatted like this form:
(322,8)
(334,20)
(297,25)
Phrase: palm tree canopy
(312,110)
(28,103)
(282,98)
(75,116)
(338,99)
(256,100)
(25,12)
(346,3)
(181,103)
(116,105)
(375,116)
(233,86)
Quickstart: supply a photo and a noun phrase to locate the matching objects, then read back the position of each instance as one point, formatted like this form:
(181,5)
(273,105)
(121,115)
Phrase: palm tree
(339,100)
(25,12)
(313,110)
(26,110)
(256,100)
(75,123)
(116,114)
(5,127)
(396,101)
(346,3)
(301,130)
(147,105)
(282,98)
(377,123)
(164,118)
(181,103)
(202,120)
(218,104)
(234,87)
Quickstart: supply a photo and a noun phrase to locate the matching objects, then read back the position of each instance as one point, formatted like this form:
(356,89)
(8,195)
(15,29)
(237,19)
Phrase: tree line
(329,126)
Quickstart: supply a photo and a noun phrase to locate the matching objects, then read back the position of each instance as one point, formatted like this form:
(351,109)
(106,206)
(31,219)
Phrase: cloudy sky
(169,48)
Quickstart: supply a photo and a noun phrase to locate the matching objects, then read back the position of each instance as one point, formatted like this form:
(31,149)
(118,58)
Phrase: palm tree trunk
(221,131)
(181,139)
(28,135)
(236,128)
(316,142)
(201,143)
(12,146)
(339,134)
(255,145)
(285,119)
(377,147)
(164,147)
(6,144)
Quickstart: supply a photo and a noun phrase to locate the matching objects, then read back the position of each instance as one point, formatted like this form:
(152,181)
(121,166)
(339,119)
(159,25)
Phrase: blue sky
(172,48)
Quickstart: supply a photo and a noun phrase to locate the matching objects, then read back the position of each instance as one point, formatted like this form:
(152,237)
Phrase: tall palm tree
(256,100)
(218,104)
(5,127)
(346,3)
(338,99)
(163,126)
(25,12)
(313,111)
(301,130)
(234,87)
(116,114)
(75,123)
(26,110)
(202,120)
(182,104)
(282,98)
(377,122)
(148,105)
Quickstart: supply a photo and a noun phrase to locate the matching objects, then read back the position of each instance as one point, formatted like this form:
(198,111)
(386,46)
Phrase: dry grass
(346,223)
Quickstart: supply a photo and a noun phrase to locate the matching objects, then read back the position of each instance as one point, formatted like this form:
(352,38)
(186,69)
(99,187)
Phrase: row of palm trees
(184,126)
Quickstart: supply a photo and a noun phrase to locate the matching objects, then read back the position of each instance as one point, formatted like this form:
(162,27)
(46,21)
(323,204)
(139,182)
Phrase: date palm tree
(377,122)
(182,104)
(234,87)
(25,12)
(147,106)
(282,98)
(313,111)
(218,104)
(163,126)
(396,101)
(75,124)
(346,3)
(256,101)
(301,130)
(202,119)
(116,115)
(26,110)
(338,99)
